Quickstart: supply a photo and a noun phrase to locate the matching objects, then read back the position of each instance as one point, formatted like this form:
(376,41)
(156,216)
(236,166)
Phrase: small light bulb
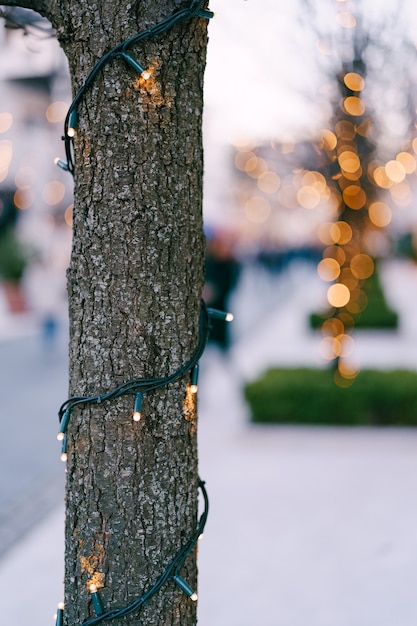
(146,75)
(137,408)
(72,123)
(61,164)
(182,584)
(220,315)
(59,615)
(60,436)
(64,457)
(98,607)
(194,379)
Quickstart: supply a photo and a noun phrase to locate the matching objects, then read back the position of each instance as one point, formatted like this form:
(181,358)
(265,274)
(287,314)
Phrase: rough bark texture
(135,282)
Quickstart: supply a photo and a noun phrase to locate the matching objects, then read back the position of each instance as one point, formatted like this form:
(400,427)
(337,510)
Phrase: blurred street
(33,385)
(305,524)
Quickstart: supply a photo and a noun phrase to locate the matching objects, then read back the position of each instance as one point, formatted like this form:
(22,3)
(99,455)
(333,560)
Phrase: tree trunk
(135,282)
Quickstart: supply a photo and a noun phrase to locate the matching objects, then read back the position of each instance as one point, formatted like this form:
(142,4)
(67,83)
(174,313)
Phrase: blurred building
(34,99)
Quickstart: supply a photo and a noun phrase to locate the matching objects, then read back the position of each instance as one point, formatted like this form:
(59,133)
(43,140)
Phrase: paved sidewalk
(307,525)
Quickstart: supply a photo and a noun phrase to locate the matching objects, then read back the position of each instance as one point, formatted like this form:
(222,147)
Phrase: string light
(137,387)
(182,584)
(195,9)
(98,607)
(61,164)
(194,379)
(170,572)
(137,408)
(60,615)
(64,455)
(220,315)
(72,123)
(136,66)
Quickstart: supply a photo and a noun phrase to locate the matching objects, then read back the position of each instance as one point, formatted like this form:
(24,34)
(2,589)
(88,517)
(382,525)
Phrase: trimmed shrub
(310,396)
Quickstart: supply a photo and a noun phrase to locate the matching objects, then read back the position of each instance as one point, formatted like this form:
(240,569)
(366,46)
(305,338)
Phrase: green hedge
(377,313)
(310,396)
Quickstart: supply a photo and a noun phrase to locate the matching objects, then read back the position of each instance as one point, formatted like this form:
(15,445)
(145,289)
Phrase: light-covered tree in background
(365,160)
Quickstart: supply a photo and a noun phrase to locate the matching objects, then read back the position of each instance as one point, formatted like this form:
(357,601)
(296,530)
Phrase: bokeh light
(354,197)
(354,106)
(308,197)
(6,120)
(269,182)
(6,153)
(395,171)
(354,81)
(328,269)
(379,214)
(56,112)
(53,192)
(407,161)
(338,295)
(24,198)
(346,19)
(257,209)
(362,266)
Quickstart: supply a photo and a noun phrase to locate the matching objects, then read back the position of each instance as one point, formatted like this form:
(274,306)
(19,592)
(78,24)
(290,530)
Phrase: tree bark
(135,282)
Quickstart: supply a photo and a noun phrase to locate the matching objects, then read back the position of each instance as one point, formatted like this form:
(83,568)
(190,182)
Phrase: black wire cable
(175,565)
(195,9)
(141,385)
(147,384)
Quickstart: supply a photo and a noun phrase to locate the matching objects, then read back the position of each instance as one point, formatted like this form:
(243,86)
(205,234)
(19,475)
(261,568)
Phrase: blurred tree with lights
(360,170)
(135,283)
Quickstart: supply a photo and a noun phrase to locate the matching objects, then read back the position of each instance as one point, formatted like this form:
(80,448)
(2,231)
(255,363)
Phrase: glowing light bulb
(182,584)
(72,123)
(64,455)
(60,436)
(194,379)
(61,164)
(136,65)
(59,616)
(98,607)
(137,415)
(220,315)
